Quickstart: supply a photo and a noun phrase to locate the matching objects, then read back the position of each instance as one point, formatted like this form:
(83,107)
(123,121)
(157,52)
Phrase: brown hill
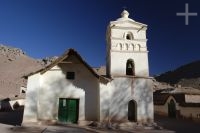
(14,64)
(187,75)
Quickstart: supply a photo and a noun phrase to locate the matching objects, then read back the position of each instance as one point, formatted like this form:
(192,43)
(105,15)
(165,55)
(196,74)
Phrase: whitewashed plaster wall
(30,109)
(118,63)
(105,94)
(126,27)
(116,96)
(54,85)
(120,49)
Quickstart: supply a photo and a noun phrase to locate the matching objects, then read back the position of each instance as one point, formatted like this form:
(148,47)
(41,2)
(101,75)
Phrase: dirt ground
(178,125)
(10,121)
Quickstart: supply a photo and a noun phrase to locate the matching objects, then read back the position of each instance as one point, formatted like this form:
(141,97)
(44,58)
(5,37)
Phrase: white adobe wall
(44,91)
(31,108)
(105,94)
(54,86)
(85,86)
(120,49)
(116,95)
(118,63)
(120,29)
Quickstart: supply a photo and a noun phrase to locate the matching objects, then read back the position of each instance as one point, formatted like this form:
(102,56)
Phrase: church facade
(69,90)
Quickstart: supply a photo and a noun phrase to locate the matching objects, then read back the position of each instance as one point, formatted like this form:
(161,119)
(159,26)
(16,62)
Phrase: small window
(70,75)
(23,91)
(128,37)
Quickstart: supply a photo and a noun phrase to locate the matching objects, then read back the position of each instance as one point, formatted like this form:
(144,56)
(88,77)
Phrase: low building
(180,102)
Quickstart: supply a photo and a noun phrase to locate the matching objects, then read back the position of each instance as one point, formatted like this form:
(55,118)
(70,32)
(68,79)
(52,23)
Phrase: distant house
(181,102)
(69,90)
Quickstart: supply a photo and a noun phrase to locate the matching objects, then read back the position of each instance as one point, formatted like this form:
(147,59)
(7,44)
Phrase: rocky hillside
(187,75)
(14,64)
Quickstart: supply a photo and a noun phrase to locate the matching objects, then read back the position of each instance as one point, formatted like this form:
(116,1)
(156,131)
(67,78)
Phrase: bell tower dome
(127,53)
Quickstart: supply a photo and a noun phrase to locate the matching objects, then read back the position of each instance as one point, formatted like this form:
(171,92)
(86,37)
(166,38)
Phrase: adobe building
(70,90)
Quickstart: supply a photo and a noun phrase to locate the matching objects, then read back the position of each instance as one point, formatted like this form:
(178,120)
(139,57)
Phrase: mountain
(14,65)
(187,75)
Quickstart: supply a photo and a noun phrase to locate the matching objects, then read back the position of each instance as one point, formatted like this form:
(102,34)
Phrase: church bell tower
(127,53)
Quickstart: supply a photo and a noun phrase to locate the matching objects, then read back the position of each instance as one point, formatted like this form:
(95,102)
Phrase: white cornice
(127,21)
(128,28)
(125,51)
(134,40)
(129,76)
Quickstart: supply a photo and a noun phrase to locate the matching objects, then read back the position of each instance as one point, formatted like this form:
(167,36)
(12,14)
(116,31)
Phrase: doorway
(172,109)
(132,111)
(68,110)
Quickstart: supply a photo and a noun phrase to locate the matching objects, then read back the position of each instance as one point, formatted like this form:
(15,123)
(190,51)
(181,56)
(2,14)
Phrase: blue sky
(45,28)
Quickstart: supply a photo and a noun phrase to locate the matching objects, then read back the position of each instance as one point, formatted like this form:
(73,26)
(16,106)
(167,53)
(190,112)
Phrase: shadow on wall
(84,84)
(119,101)
(44,104)
(146,98)
(114,102)
(48,98)
(33,104)
(123,92)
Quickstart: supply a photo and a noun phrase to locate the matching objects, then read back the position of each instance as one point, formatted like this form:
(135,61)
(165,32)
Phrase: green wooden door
(62,110)
(68,110)
(72,110)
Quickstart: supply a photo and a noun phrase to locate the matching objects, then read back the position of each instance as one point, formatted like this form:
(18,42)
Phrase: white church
(70,91)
